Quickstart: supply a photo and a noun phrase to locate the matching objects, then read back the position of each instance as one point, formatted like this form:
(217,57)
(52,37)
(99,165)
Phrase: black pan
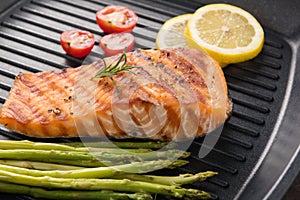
(257,156)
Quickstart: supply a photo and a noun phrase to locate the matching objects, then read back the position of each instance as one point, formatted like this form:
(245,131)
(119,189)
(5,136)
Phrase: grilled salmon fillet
(171,94)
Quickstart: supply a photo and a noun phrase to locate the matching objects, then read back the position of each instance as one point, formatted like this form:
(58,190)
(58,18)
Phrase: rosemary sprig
(113,69)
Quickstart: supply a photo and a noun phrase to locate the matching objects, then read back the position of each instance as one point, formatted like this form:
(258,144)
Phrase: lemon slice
(171,34)
(227,33)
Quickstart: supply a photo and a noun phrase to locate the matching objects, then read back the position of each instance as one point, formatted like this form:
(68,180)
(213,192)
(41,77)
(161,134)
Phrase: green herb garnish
(113,69)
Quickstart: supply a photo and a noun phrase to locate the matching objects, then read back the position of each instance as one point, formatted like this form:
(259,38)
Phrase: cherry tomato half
(116,19)
(77,43)
(115,43)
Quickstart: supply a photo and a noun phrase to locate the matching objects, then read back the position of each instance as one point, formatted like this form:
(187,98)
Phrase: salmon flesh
(170,94)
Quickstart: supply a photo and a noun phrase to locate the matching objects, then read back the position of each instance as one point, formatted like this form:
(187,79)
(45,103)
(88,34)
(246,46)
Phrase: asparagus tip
(197,194)
(178,163)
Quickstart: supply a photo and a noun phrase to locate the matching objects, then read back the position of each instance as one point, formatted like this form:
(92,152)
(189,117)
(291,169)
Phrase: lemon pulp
(171,34)
(227,33)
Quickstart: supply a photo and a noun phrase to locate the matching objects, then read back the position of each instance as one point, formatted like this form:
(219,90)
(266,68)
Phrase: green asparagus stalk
(41,155)
(72,164)
(168,180)
(154,155)
(69,194)
(169,154)
(96,163)
(105,158)
(71,146)
(124,185)
(80,163)
(25,144)
(74,172)
(99,172)
(112,150)
(69,158)
(69,164)
(124,145)
(24,154)
(38,165)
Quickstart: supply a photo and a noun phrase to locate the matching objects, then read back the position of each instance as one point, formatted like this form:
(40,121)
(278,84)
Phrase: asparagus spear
(124,185)
(79,163)
(112,150)
(32,162)
(105,158)
(100,172)
(69,158)
(69,194)
(25,144)
(154,155)
(38,165)
(76,173)
(125,145)
(37,155)
(169,154)
(168,180)
(71,164)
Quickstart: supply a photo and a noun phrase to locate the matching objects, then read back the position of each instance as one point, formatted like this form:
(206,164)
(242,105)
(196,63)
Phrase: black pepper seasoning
(57,111)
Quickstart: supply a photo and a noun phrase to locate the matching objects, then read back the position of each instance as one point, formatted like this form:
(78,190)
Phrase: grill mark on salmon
(195,57)
(152,86)
(182,71)
(153,78)
(158,84)
(41,94)
(165,77)
(140,58)
(186,69)
(167,91)
(21,101)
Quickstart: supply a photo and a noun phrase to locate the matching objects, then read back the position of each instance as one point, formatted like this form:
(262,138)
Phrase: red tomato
(115,43)
(116,19)
(77,43)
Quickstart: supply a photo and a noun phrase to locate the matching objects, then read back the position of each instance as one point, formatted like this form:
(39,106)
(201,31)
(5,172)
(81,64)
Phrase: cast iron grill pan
(29,42)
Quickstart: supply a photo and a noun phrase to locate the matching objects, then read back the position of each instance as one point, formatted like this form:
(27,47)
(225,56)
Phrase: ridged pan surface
(29,42)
